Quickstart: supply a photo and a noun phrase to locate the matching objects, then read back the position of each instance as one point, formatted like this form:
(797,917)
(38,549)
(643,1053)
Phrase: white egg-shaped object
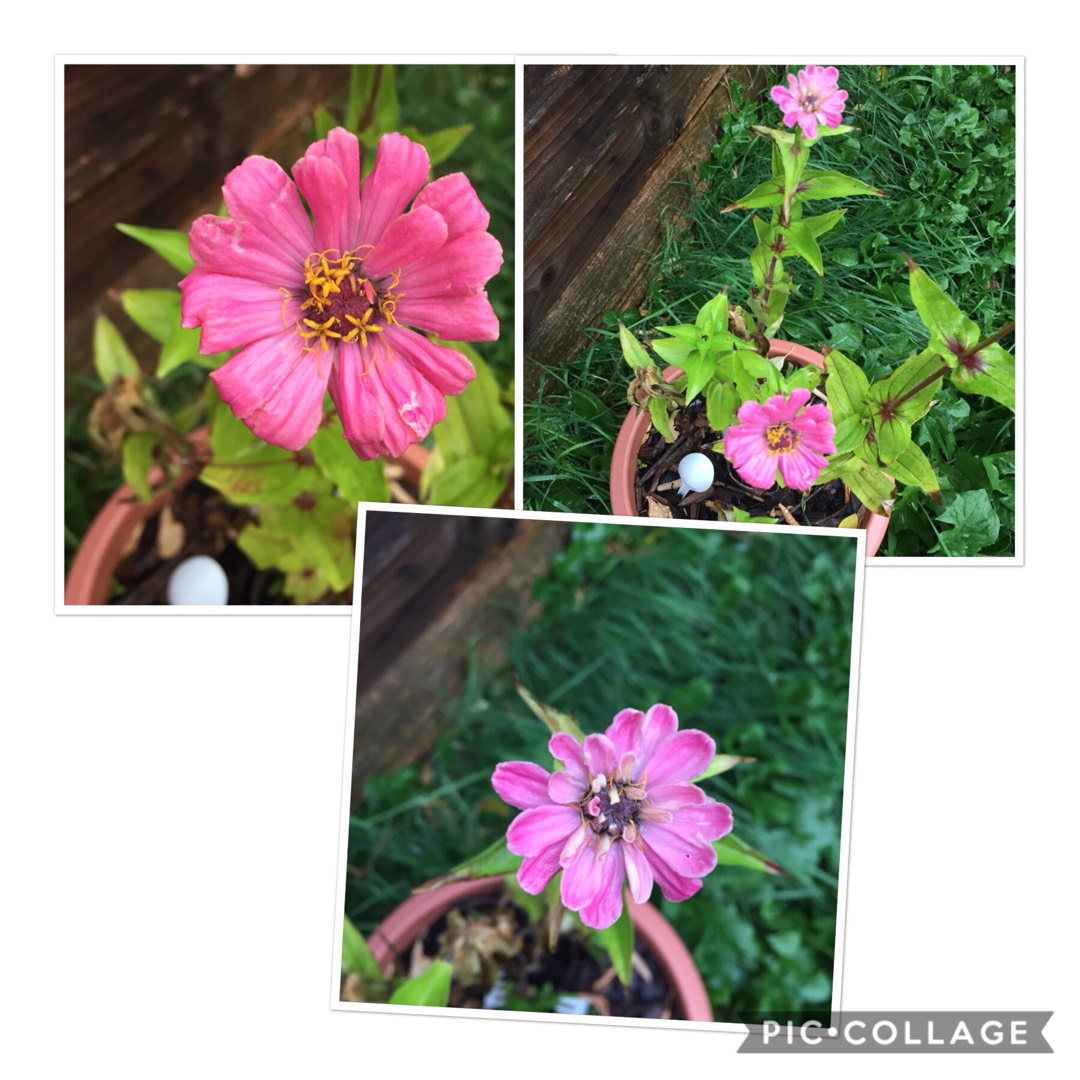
(696,473)
(198,580)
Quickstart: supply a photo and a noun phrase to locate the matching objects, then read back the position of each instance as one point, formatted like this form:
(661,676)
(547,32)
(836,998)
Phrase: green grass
(940,141)
(747,636)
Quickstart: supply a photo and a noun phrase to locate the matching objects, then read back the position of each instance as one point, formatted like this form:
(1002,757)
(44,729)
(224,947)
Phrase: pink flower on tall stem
(811,99)
(321,302)
(777,435)
(621,809)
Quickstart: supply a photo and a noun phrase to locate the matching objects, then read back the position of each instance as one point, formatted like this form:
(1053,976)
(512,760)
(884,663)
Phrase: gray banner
(905,1033)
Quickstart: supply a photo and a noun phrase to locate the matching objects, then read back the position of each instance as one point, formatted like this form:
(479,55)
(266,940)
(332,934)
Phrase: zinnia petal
(401,167)
(541,826)
(521,783)
(606,904)
(455,199)
(259,193)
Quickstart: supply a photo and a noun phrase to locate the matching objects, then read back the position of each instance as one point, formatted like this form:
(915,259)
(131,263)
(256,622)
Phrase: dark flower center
(342,304)
(782,438)
(612,807)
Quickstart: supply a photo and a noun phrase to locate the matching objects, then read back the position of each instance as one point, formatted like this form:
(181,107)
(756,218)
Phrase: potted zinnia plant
(741,425)
(331,310)
(620,813)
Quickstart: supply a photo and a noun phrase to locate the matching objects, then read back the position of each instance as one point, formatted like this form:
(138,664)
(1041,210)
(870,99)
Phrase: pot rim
(637,423)
(408,920)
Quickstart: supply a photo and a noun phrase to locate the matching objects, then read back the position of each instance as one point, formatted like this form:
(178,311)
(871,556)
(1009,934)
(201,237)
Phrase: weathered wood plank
(607,147)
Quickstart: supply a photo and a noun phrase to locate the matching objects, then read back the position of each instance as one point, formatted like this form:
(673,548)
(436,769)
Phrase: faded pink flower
(812,99)
(320,302)
(623,808)
(777,435)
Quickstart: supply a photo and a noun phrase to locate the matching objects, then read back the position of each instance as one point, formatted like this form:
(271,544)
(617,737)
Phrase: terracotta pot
(396,934)
(636,426)
(116,524)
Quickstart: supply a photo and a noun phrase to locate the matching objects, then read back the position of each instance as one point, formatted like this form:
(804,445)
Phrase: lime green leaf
(170,244)
(893,434)
(356,480)
(155,311)
(430,988)
(991,371)
(441,144)
(494,860)
(721,404)
(731,851)
(721,763)
(951,331)
(870,483)
(672,351)
(699,367)
(618,941)
(467,481)
(355,954)
(112,356)
(387,112)
(770,193)
(831,185)
(632,349)
(661,420)
(554,720)
(850,433)
(846,385)
(260,475)
(799,238)
(324,120)
(712,318)
(822,223)
(183,345)
(913,371)
(912,466)
(137,458)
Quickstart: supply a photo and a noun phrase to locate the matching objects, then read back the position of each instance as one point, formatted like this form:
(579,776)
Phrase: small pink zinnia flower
(777,435)
(319,303)
(811,99)
(623,808)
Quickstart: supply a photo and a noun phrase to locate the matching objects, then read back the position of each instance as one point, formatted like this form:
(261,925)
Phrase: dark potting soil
(657,483)
(196,521)
(500,956)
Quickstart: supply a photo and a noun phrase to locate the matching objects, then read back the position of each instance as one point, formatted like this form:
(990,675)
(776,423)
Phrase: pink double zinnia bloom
(783,435)
(321,302)
(811,99)
(621,810)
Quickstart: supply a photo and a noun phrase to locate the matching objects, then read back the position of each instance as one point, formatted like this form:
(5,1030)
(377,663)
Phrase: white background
(170,787)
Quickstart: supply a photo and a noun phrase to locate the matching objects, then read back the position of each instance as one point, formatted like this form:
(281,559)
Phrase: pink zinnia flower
(319,303)
(623,808)
(811,99)
(777,435)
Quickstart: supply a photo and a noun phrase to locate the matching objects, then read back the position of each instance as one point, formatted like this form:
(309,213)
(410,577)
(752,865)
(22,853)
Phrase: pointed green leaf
(731,851)
(673,351)
(154,311)
(441,144)
(991,371)
(324,121)
(700,367)
(430,988)
(661,420)
(822,223)
(496,859)
(721,764)
(913,371)
(850,433)
(912,466)
(721,404)
(552,719)
(356,956)
(846,385)
(684,332)
(387,111)
(951,331)
(799,238)
(618,941)
(356,480)
(893,435)
(770,193)
(137,459)
(870,483)
(170,244)
(831,185)
(632,349)
(182,345)
(361,81)
(976,524)
(712,318)
(112,356)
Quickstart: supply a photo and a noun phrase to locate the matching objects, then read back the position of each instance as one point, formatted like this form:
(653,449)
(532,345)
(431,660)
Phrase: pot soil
(139,544)
(645,479)
(495,946)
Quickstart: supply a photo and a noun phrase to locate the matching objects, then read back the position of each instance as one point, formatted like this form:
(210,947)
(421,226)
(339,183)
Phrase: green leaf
(361,83)
(700,367)
(112,356)
(976,524)
(387,111)
(430,988)
(721,404)
(260,475)
(769,193)
(137,459)
(170,244)
(618,941)
(913,371)
(850,433)
(324,121)
(356,480)
(822,223)
(722,762)
(831,185)
(731,851)
(912,466)
(355,954)
(661,420)
(893,435)
(846,385)
(798,237)
(632,349)
(441,144)
(554,720)
(495,859)
(183,345)
(154,311)
(870,483)
(672,351)
(951,331)
(466,481)
(992,372)
(712,318)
